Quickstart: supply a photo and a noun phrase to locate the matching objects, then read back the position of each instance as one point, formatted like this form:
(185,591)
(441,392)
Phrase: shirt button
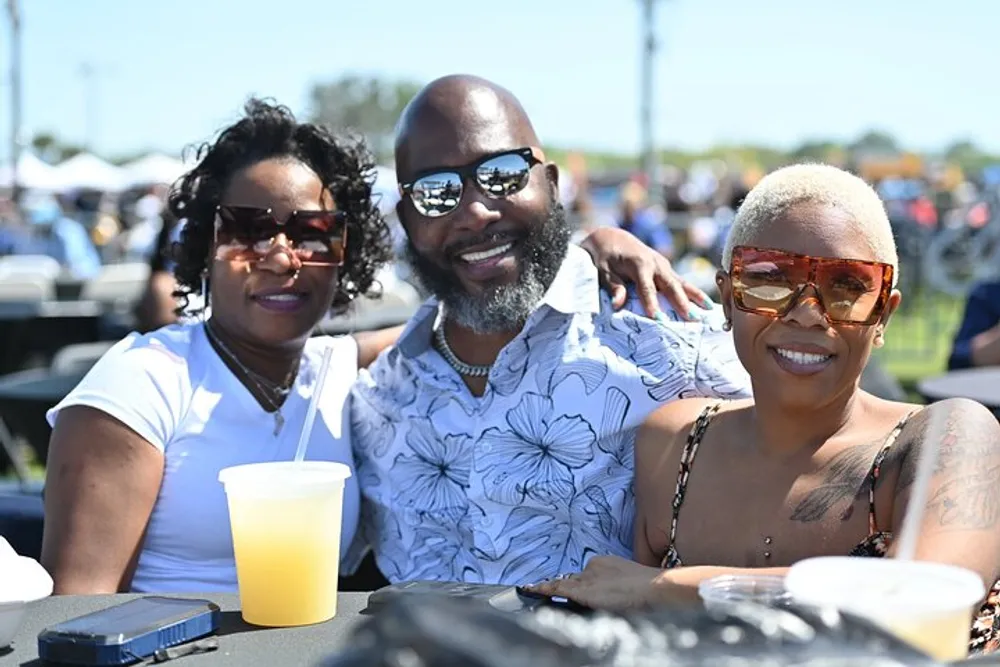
(487,447)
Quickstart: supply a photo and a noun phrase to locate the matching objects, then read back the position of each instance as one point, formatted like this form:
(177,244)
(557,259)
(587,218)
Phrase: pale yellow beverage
(286,519)
(928,605)
(943,637)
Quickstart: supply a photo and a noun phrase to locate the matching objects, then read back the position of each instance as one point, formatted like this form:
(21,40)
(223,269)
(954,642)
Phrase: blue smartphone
(128,632)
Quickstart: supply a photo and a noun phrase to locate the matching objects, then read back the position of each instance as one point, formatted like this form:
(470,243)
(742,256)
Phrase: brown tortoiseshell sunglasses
(770,282)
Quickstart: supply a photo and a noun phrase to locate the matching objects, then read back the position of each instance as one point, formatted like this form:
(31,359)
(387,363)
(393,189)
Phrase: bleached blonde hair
(814,184)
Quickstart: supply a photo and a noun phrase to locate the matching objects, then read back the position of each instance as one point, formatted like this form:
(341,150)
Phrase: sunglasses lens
(768,282)
(435,195)
(317,237)
(767,298)
(241,232)
(850,291)
(503,175)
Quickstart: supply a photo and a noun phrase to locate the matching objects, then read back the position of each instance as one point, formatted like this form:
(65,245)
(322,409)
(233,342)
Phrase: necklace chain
(460,366)
(281,389)
(273,394)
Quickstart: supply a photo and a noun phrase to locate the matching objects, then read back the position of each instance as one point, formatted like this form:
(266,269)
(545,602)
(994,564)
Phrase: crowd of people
(530,422)
(83,230)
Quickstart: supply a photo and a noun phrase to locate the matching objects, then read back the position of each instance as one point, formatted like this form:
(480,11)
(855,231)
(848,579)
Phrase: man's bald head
(460,122)
(458,116)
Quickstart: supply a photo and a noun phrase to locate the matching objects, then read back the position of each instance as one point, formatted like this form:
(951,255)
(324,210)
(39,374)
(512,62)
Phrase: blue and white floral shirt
(534,477)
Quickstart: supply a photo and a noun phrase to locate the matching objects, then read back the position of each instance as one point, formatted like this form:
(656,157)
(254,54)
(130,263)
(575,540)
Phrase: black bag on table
(450,632)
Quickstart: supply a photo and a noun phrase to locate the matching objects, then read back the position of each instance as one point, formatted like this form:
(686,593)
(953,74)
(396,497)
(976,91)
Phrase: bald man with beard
(494,441)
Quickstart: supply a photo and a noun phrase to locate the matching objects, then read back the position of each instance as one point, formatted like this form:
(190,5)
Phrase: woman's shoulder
(960,429)
(145,367)
(671,424)
(167,348)
(144,381)
(680,416)
(948,418)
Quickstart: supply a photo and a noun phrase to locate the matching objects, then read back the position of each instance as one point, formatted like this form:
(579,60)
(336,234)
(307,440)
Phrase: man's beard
(504,307)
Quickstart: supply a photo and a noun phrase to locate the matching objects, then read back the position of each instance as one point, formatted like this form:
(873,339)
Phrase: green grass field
(918,340)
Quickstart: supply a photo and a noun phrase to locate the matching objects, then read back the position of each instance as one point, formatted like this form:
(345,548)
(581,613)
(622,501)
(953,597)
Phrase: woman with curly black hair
(280,227)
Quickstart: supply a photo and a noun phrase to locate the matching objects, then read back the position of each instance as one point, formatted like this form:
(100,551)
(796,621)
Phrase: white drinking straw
(300,452)
(917,505)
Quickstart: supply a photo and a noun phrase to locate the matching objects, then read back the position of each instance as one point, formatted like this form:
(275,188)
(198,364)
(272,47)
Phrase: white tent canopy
(154,169)
(91,172)
(32,173)
(385,192)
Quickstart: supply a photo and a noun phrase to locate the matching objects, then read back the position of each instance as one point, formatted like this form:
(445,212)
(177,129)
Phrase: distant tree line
(371,105)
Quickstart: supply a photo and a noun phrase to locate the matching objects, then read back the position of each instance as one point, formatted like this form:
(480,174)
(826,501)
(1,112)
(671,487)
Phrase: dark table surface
(979,384)
(239,643)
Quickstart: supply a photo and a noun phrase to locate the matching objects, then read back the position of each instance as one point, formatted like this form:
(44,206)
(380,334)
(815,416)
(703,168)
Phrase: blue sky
(773,71)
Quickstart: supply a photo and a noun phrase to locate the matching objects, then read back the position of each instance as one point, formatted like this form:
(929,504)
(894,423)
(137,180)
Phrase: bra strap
(687,460)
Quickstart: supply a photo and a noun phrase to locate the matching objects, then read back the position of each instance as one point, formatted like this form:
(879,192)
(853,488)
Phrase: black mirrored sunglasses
(438,191)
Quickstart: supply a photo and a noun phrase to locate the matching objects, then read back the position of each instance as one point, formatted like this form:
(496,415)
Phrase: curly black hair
(267,130)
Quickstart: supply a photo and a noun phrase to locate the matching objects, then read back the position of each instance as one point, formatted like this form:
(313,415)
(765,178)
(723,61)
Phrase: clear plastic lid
(284,478)
(896,586)
(765,589)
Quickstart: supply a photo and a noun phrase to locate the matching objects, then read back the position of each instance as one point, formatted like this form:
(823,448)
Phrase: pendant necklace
(273,394)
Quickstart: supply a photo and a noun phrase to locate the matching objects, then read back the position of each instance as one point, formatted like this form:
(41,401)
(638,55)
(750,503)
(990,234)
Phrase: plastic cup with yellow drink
(286,518)
(928,605)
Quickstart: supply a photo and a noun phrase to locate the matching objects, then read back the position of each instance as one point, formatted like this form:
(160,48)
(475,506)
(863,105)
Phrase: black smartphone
(128,632)
(558,601)
(505,598)
(488,593)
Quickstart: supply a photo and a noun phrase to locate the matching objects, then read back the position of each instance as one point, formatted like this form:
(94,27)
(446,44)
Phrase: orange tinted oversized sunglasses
(247,233)
(770,282)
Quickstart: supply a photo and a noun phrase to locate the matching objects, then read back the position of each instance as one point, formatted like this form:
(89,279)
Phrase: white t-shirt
(171,387)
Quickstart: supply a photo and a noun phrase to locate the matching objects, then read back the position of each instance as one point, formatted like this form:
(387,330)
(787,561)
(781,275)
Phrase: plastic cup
(286,519)
(766,589)
(928,605)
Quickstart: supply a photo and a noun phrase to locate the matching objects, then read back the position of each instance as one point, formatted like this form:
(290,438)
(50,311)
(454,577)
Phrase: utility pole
(88,74)
(13,11)
(649,161)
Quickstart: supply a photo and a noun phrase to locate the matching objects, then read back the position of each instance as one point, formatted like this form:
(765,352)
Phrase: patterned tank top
(985,632)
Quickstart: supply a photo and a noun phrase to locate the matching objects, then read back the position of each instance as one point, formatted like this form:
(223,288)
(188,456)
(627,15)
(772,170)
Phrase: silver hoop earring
(727,326)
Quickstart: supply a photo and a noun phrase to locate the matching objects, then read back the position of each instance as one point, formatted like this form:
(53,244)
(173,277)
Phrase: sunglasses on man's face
(438,191)
(770,283)
(247,233)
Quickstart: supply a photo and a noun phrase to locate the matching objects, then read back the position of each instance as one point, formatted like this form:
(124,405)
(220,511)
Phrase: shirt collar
(575,289)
